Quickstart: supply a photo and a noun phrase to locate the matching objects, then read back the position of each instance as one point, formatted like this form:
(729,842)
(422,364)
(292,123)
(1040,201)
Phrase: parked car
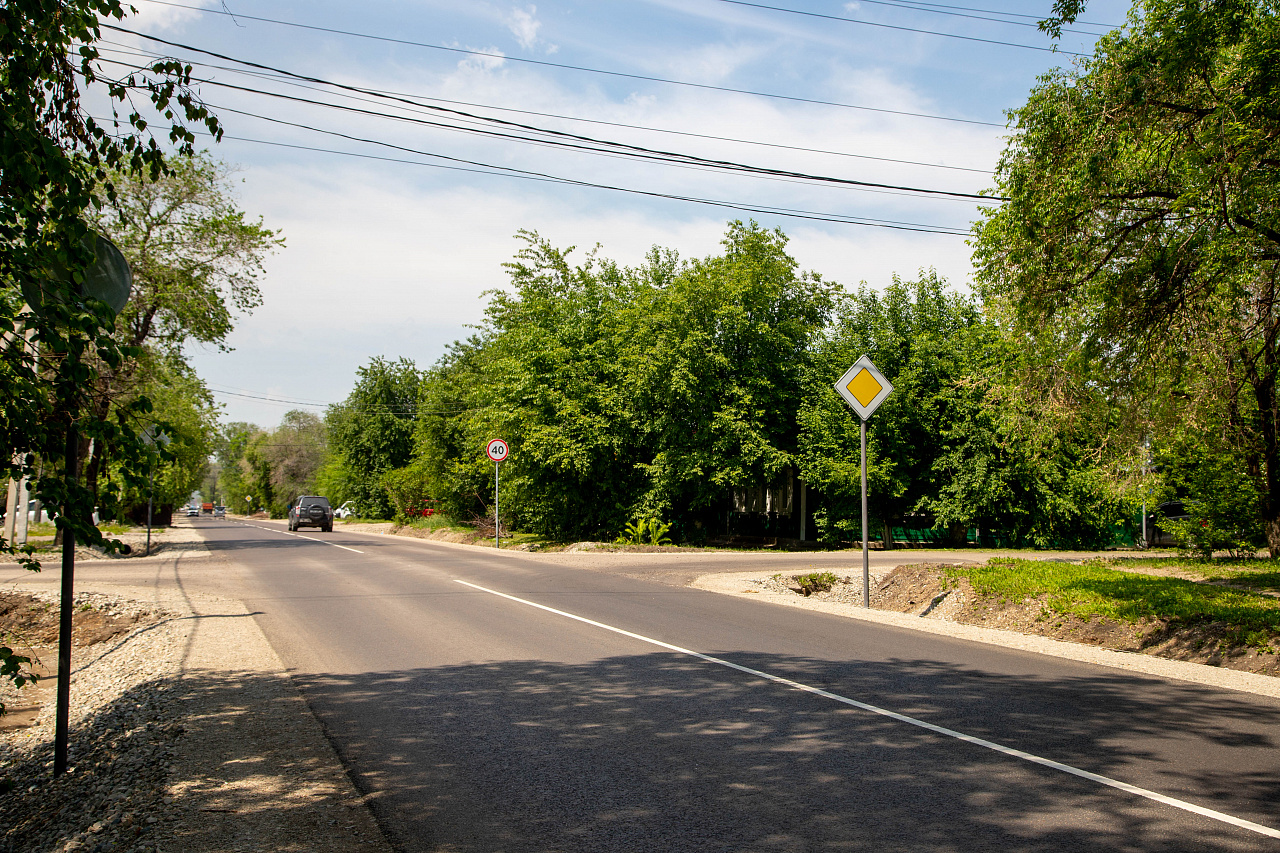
(347,510)
(193,511)
(311,511)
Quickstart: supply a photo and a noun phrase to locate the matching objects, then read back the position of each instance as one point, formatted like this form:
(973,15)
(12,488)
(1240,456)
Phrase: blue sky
(392,259)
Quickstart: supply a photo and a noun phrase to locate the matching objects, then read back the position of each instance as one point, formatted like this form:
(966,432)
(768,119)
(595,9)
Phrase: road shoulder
(739,584)
(188,735)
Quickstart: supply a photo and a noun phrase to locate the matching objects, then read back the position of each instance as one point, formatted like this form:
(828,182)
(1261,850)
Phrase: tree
(1137,248)
(648,391)
(294,452)
(234,484)
(371,432)
(719,350)
(195,261)
(54,162)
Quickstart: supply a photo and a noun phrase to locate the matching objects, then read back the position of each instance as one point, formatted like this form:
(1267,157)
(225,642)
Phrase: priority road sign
(863,387)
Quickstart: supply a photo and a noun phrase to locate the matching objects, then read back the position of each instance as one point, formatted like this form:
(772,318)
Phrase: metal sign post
(496,450)
(864,388)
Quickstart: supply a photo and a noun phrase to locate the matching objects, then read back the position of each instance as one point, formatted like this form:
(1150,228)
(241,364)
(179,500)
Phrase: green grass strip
(1093,589)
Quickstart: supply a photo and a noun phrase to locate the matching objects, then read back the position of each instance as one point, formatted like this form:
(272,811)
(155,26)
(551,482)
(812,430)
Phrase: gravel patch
(186,735)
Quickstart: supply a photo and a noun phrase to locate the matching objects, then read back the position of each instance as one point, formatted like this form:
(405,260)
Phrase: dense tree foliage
(54,164)
(371,433)
(626,391)
(195,261)
(266,469)
(1139,249)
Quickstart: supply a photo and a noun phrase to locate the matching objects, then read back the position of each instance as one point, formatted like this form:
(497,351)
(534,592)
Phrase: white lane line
(903,718)
(300,536)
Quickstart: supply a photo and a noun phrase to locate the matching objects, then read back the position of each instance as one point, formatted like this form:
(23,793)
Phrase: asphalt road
(481,715)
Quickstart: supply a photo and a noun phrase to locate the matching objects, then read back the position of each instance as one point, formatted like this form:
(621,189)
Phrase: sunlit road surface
(494,702)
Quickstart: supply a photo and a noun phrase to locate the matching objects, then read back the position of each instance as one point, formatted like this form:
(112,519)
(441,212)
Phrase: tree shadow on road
(663,752)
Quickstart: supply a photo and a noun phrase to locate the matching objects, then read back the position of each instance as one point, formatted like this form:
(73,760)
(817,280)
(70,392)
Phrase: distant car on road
(311,511)
(219,512)
(193,511)
(347,510)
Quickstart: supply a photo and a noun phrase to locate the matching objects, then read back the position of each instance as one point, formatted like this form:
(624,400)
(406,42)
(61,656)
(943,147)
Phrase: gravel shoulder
(187,735)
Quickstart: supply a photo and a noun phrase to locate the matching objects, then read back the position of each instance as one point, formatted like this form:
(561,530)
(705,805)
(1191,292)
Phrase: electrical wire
(287,80)
(540,62)
(344,407)
(508,171)
(792,213)
(632,151)
(575,139)
(940,8)
(893,27)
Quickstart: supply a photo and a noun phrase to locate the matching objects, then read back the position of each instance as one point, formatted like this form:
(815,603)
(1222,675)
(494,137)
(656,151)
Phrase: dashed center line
(903,718)
(300,536)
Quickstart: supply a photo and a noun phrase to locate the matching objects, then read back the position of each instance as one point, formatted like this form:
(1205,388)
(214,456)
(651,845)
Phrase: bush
(645,531)
(1200,536)
(408,490)
(816,582)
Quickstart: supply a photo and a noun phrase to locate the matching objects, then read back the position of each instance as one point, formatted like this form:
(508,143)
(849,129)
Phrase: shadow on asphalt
(659,752)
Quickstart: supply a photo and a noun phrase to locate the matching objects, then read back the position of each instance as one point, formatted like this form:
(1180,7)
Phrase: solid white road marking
(300,536)
(884,712)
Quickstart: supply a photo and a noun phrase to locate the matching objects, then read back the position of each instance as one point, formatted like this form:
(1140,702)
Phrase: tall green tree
(54,167)
(1138,248)
(651,390)
(371,432)
(716,365)
(196,260)
(929,343)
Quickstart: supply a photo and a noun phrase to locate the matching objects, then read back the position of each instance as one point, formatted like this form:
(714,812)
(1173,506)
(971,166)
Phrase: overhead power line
(895,27)
(427,100)
(633,151)
(560,138)
(946,9)
(506,171)
(544,63)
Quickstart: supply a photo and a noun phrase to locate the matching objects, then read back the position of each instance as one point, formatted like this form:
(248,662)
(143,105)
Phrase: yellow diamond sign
(863,387)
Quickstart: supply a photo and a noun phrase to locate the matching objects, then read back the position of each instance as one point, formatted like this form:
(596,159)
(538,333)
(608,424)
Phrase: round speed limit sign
(497,450)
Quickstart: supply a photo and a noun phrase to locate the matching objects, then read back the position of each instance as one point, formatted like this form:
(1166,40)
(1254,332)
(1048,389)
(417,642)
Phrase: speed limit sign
(497,450)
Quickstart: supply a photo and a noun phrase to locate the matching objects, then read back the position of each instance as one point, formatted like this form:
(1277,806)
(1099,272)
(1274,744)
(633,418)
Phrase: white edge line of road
(299,535)
(1197,673)
(884,712)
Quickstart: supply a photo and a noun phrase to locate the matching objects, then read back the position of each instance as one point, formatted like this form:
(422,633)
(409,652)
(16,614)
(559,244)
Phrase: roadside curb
(1245,682)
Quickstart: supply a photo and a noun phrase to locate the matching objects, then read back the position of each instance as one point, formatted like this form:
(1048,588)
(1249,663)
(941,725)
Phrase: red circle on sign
(497,450)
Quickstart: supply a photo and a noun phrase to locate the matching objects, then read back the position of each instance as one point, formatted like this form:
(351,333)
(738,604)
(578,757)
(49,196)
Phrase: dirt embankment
(928,591)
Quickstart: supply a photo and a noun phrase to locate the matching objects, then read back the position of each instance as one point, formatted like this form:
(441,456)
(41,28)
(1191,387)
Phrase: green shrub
(816,582)
(645,531)
(1201,535)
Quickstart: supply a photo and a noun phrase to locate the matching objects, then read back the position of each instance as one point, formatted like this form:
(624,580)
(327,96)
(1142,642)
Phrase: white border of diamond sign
(886,388)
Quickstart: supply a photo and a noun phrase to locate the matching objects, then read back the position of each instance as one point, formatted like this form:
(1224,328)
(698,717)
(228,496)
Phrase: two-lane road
(496,702)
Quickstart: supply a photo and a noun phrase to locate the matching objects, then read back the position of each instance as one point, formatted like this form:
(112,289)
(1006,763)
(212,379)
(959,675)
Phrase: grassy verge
(1258,573)
(1095,588)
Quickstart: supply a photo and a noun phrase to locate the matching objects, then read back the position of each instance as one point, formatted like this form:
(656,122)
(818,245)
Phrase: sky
(395,227)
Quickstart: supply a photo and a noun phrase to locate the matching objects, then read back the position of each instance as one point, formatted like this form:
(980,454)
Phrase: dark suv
(311,511)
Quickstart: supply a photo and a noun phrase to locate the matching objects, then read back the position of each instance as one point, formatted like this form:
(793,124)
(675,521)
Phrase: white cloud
(524,25)
(160,17)
(492,59)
